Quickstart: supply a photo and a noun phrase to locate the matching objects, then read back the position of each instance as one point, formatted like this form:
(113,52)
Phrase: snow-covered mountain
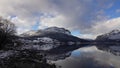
(113,35)
(50,29)
(54,33)
(49,38)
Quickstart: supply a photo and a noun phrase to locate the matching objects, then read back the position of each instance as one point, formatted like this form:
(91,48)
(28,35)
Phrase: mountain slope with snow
(58,30)
(113,35)
(47,30)
(55,33)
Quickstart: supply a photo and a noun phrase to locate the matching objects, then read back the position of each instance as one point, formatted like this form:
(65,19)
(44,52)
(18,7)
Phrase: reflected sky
(89,57)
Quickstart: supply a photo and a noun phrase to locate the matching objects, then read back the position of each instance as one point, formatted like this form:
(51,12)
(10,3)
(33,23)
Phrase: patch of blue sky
(112,12)
(75,32)
(36,26)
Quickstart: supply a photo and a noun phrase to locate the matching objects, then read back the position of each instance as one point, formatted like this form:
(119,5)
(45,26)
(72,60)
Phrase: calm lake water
(89,57)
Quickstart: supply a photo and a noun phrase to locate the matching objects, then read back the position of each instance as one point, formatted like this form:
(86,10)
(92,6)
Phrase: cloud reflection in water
(89,57)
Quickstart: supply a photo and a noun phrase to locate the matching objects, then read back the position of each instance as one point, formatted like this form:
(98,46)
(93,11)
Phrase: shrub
(7,31)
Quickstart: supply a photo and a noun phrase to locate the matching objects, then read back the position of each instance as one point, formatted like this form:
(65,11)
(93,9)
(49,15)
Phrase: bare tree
(7,30)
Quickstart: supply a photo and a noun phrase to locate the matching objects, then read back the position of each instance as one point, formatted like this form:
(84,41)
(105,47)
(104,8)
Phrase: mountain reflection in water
(86,57)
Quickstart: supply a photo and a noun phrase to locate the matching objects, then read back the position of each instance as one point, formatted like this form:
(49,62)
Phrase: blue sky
(84,18)
(112,12)
(36,26)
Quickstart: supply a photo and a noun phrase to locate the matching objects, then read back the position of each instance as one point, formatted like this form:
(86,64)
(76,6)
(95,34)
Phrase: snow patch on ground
(39,47)
(116,48)
(5,54)
(45,40)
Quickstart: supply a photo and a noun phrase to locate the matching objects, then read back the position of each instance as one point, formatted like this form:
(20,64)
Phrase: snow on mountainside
(59,30)
(36,44)
(50,29)
(38,40)
(110,42)
(113,35)
(59,35)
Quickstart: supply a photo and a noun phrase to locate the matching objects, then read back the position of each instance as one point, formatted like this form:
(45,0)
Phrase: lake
(88,57)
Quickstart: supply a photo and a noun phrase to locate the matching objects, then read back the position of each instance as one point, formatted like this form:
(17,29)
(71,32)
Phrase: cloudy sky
(84,18)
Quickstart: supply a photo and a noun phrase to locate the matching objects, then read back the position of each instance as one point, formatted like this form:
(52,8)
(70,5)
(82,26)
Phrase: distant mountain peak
(113,35)
(50,29)
(59,30)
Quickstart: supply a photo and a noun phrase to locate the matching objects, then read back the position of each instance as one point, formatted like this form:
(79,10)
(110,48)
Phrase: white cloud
(22,24)
(72,14)
(26,12)
(58,20)
(101,27)
(107,26)
(87,36)
(22,30)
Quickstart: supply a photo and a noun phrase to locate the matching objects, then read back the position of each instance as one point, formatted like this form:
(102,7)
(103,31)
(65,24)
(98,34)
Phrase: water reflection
(88,57)
(60,53)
